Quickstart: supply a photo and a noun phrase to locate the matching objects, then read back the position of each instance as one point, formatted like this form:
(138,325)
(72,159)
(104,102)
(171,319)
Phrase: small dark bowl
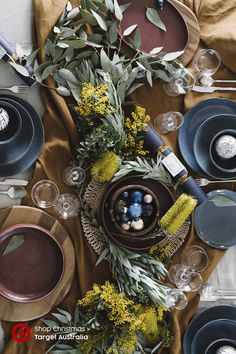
(149,223)
(165,200)
(10,133)
(214,346)
(225,165)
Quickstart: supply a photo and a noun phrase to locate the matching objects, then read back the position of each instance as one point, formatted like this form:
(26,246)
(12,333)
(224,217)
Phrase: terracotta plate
(174,39)
(34,269)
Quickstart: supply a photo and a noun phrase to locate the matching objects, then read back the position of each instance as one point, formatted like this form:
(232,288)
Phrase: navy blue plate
(193,119)
(215,222)
(32,153)
(201,145)
(210,314)
(217,329)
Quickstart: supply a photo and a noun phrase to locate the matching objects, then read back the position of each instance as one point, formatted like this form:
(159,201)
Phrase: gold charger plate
(16,311)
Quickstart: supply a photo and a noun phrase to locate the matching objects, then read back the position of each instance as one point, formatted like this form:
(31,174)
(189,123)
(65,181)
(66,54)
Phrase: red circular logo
(21,332)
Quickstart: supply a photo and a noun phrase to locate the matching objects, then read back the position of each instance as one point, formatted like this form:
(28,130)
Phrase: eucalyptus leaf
(223,201)
(149,77)
(63,346)
(129,30)
(15,242)
(65,313)
(49,48)
(88,17)
(49,323)
(117,10)
(57,55)
(154,18)
(124,7)
(112,33)
(56,30)
(39,70)
(69,6)
(92,5)
(61,318)
(100,20)
(63,91)
(95,38)
(68,76)
(109,5)
(172,56)
(137,41)
(133,88)
(156,50)
(73,13)
(48,71)
(19,68)
(62,45)
(75,43)
(82,34)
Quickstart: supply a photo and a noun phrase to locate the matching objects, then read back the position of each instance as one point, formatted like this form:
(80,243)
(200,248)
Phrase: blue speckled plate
(210,314)
(217,329)
(215,222)
(201,145)
(193,119)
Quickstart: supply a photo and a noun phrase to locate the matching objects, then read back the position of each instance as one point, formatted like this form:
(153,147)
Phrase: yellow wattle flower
(178,213)
(104,169)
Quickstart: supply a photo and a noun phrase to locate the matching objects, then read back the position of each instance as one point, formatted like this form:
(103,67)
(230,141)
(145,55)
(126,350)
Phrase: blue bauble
(135,210)
(125,195)
(147,210)
(124,218)
(137,196)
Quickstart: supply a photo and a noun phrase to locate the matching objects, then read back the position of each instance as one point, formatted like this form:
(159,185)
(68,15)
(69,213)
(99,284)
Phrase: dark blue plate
(201,145)
(210,314)
(36,146)
(216,329)
(215,222)
(193,119)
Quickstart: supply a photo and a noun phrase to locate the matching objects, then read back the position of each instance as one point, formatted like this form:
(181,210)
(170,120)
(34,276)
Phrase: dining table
(28,23)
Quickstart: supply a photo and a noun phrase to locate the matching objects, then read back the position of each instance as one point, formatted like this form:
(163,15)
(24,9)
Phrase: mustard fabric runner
(217,19)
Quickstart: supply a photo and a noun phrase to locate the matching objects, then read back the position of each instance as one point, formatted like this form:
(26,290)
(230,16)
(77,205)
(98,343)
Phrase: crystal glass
(73,175)
(66,206)
(168,122)
(175,298)
(44,193)
(194,257)
(184,278)
(182,82)
(207,61)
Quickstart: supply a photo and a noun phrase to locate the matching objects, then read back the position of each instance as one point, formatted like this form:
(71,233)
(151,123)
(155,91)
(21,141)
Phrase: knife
(14,182)
(206,89)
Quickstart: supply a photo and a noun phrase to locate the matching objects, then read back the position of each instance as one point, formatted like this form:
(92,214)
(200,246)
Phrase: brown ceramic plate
(165,199)
(33,270)
(174,39)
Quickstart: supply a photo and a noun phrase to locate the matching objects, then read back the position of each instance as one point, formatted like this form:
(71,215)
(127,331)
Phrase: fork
(16,89)
(202,182)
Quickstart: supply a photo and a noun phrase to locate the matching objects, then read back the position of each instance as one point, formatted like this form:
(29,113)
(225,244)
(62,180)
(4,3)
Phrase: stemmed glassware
(168,122)
(182,82)
(45,194)
(175,298)
(207,62)
(186,275)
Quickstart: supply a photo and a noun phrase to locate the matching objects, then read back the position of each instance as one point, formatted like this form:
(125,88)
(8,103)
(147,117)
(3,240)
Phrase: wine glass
(207,62)
(44,193)
(185,278)
(194,257)
(168,122)
(175,298)
(73,175)
(66,206)
(182,82)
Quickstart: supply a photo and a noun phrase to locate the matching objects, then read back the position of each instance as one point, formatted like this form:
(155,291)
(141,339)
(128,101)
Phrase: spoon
(15,192)
(207,80)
